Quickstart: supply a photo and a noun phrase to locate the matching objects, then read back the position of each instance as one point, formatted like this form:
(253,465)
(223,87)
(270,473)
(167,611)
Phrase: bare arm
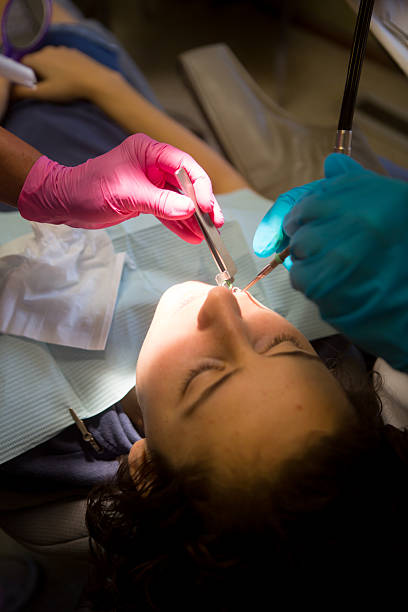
(135,114)
(16,159)
(4,95)
(16,156)
(69,74)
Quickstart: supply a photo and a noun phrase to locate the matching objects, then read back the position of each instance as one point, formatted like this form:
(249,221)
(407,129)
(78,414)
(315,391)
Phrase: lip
(251,299)
(200,293)
(179,296)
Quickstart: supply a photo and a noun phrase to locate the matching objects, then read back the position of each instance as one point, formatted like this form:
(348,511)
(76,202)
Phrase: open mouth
(251,298)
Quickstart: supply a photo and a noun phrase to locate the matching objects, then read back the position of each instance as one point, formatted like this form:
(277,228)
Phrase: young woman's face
(222,377)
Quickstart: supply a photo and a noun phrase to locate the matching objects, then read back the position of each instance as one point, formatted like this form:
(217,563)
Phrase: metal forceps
(222,258)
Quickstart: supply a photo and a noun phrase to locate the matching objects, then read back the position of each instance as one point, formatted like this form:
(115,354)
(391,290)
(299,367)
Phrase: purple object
(24,25)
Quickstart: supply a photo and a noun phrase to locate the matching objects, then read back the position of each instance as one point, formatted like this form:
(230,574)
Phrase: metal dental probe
(278,258)
(222,258)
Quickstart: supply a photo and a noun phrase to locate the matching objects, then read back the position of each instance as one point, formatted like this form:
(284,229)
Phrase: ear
(137,455)
(131,407)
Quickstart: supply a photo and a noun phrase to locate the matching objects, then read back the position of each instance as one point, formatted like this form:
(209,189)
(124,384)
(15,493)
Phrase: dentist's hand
(135,177)
(270,236)
(349,247)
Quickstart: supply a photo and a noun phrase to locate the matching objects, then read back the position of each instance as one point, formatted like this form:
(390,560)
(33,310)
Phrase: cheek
(161,343)
(160,367)
(268,321)
(152,367)
(152,387)
(167,334)
(161,427)
(272,325)
(281,325)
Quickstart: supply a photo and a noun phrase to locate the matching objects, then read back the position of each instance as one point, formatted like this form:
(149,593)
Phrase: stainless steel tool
(226,266)
(278,258)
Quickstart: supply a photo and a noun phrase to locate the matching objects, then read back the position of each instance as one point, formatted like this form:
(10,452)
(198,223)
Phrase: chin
(187,288)
(182,294)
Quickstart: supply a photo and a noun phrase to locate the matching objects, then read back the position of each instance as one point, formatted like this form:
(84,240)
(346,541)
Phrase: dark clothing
(67,461)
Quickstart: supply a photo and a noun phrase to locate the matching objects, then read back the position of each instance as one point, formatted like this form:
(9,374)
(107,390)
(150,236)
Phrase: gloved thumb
(338,163)
(169,205)
(270,235)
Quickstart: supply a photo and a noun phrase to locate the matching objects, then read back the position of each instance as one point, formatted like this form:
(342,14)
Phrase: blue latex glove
(270,236)
(349,247)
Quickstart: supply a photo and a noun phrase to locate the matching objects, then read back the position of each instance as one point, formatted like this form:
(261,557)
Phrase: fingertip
(336,164)
(218,220)
(263,245)
(288,263)
(206,206)
(193,238)
(269,248)
(177,206)
(183,230)
(270,236)
(216,213)
(203,192)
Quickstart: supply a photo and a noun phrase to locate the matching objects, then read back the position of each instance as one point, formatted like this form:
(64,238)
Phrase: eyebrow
(211,389)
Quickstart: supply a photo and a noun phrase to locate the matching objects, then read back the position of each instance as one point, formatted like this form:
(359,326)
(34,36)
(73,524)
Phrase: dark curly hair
(166,540)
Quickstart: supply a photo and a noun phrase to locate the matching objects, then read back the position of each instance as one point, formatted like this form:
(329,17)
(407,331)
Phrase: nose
(221,313)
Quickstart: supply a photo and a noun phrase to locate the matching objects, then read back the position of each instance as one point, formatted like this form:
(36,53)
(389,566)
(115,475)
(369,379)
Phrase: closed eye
(196,371)
(282,338)
(204,367)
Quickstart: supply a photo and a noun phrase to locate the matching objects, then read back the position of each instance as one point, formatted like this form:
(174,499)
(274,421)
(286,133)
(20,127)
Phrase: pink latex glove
(135,177)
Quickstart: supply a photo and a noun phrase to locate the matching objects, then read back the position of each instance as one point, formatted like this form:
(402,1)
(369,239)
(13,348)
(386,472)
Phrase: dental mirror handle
(225,264)
(358,47)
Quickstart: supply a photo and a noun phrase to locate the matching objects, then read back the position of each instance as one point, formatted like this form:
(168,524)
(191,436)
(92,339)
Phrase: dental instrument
(86,435)
(222,258)
(344,129)
(278,258)
(361,30)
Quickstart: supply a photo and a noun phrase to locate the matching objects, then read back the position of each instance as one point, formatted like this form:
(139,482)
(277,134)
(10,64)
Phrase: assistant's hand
(349,247)
(135,177)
